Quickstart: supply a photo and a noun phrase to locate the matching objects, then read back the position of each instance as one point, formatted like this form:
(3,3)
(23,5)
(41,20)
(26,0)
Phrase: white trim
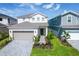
(70,11)
(77,20)
(46,31)
(22,29)
(12,30)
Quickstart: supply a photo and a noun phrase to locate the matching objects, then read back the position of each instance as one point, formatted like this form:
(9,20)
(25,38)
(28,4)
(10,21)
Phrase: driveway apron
(17,48)
(74,43)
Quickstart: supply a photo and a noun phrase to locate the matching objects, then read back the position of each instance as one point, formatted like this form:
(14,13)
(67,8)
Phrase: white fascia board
(22,29)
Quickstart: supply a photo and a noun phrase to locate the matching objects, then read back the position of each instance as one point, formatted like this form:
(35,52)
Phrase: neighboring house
(6,21)
(68,21)
(26,29)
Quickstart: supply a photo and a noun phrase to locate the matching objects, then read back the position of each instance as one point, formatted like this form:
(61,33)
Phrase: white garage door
(23,35)
(74,36)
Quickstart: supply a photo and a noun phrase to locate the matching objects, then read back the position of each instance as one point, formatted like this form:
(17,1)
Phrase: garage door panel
(23,35)
(74,36)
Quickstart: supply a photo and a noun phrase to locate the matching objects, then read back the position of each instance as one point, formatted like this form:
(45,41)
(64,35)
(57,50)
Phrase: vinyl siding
(34,19)
(40,20)
(4,21)
(74,20)
(56,24)
(73,31)
(12,21)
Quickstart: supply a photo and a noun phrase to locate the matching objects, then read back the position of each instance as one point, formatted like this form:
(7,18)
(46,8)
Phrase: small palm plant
(65,35)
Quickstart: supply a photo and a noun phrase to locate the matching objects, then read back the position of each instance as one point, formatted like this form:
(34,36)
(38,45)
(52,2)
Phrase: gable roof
(70,12)
(63,14)
(30,15)
(7,16)
(27,25)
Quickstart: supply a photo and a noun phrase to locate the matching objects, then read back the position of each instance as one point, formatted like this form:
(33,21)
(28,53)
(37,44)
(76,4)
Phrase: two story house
(35,24)
(68,22)
(6,21)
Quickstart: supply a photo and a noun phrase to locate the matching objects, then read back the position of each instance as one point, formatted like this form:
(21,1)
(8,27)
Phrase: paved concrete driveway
(17,48)
(74,43)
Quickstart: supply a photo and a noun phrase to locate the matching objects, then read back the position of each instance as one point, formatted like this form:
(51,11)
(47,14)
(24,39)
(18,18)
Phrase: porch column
(46,31)
(35,32)
(10,34)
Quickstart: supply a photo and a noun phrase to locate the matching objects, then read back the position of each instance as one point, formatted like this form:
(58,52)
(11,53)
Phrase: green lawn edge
(58,49)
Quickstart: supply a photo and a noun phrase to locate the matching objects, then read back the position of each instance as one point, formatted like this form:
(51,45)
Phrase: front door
(42,31)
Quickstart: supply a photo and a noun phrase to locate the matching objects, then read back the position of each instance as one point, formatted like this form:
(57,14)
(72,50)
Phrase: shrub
(65,35)
(36,41)
(64,38)
(50,35)
(4,42)
(3,35)
(48,39)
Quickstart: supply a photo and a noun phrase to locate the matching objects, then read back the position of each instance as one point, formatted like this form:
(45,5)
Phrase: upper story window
(23,19)
(69,18)
(8,20)
(33,18)
(38,18)
(43,19)
(0,19)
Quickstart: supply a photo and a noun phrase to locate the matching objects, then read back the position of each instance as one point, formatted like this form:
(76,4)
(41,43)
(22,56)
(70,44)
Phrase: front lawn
(57,49)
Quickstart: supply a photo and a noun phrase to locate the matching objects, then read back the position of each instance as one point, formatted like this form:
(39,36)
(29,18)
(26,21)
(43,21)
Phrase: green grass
(57,50)
(4,42)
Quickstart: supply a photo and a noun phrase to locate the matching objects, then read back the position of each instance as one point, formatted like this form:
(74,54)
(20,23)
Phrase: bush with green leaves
(36,39)
(4,42)
(3,35)
(50,35)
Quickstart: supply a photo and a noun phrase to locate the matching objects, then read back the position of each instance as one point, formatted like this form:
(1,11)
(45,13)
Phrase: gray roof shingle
(28,25)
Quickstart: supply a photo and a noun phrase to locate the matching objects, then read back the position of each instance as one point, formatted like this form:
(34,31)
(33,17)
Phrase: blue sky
(50,9)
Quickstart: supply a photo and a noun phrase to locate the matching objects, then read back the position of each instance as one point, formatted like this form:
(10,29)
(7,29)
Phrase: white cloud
(22,4)
(38,4)
(21,9)
(65,11)
(33,7)
(6,11)
(28,4)
(18,11)
(57,6)
(51,6)
(12,12)
(48,6)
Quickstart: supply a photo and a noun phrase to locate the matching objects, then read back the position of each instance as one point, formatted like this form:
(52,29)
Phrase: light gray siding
(4,20)
(74,20)
(72,31)
(7,20)
(11,21)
